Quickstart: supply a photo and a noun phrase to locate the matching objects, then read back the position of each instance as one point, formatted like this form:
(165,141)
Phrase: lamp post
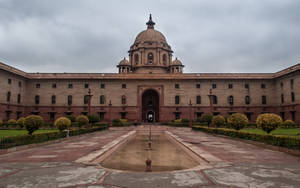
(190,109)
(210,95)
(89,101)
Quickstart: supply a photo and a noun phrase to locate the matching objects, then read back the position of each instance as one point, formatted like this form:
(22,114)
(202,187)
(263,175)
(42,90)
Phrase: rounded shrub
(93,118)
(117,122)
(268,122)
(288,124)
(62,123)
(206,118)
(82,120)
(11,122)
(218,120)
(20,122)
(237,121)
(71,118)
(1,123)
(33,123)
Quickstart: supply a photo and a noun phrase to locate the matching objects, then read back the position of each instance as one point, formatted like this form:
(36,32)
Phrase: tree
(82,120)
(62,123)
(206,118)
(268,122)
(21,122)
(237,121)
(33,123)
(218,120)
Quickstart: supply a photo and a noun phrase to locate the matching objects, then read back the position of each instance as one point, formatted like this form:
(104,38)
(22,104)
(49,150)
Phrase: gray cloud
(93,36)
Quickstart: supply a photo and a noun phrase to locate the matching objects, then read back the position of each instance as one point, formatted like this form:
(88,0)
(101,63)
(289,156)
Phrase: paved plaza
(230,163)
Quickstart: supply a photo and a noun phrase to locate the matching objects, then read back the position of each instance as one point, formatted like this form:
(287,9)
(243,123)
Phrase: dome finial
(150,23)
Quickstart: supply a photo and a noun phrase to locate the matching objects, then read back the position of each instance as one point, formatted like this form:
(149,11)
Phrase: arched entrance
(150,106)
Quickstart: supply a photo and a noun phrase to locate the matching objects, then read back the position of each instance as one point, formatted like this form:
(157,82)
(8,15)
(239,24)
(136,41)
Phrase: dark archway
(150,106)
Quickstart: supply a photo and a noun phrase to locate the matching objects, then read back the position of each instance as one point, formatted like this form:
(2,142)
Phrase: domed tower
(176,66)
(124,66)
(150,52)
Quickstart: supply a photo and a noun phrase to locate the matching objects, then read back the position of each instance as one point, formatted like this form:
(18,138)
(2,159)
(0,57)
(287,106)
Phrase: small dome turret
(124,62)
(176,62)
(124,66)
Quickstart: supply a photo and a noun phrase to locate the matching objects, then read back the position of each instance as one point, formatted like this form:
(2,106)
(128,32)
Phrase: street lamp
(89,101)
(210,95)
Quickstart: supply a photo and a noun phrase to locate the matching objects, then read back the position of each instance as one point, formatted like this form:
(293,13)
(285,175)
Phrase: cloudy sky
(94,35)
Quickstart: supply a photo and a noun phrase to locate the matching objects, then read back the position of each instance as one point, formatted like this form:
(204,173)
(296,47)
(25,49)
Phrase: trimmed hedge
(283,141)
(12,141)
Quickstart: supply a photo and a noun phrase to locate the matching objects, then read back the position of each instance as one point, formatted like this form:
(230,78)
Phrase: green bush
(185,120)
(1,123)
(33,123)
(71,118)
(268,122)
(21,122)
(117,122)
(62,123)
(93,118)
(251,125)
(218,121)
(12,122)
(102,124)
(206,118)
(288,124)
(237,121)
(291,142)
(82,120)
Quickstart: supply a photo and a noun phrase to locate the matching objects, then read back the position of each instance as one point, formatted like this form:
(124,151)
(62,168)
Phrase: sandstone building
(150,83)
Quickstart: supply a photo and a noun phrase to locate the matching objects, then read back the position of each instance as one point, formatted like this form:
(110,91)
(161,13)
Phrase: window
(19,98)
(198,86)
(177,99)
(198,99)
(177,115)
(292,96)
(215,99)
(20,84)
(8,96)
(123,100)
(164,58)
(54,85)
(282,98)
(177,86)
(150,58)
(136,58)
(102,99)
(247,100)
(292,84)
(214,86)
(230,100)
(123,115)
(102,86)
(69,99)
(85,99)
(263,86)
(70,86)
(247,86)
(293,114)
(37,99)
(19,114)
(101,115)
(230,86)
(37,85)
(248,115)
(52,116)
(282,114)
(281,84)
(86,85)
(123,86)
(9,81)
(263,99)
(53,99)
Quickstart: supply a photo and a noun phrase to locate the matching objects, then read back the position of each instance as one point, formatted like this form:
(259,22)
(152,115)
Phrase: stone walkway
(240,165)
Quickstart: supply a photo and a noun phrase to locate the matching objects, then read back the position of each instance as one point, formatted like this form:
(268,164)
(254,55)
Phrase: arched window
(247,100)
(69,99)
(19,98)
(123,99)
(102,99)
(177,99)
(292,96)
(164,59)
(150,58)
(53,99)
(215,99)
(230,100)
(136,58)
(198,99)
(37,99)
(8,96)
(263,99)
(86,99)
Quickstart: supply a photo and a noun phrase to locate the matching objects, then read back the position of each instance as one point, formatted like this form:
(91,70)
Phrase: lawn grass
(4,133)
(287,132)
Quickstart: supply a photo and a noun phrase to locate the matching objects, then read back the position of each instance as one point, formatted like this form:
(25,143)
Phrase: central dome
(150,35)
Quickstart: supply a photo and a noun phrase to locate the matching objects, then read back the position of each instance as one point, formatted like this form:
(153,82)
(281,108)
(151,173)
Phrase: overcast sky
(94,35)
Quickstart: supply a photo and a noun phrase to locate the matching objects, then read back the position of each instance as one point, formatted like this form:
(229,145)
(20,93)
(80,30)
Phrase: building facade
(151,84)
